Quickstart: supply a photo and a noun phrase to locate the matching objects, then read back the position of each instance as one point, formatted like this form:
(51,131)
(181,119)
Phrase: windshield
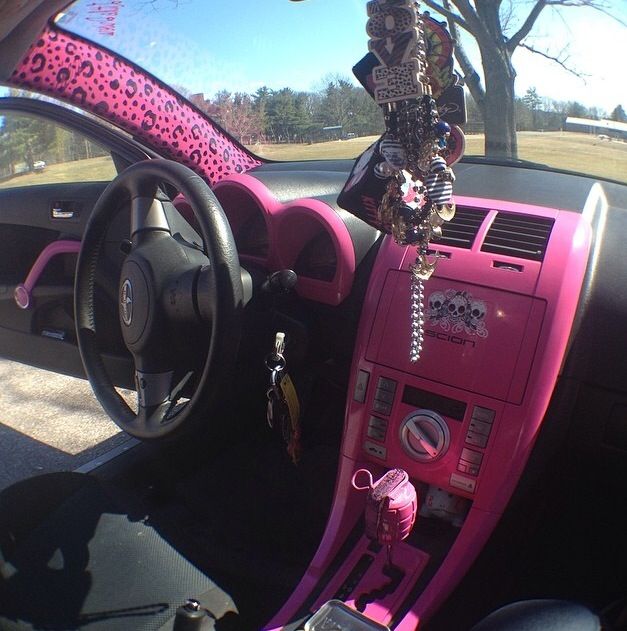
(277,74)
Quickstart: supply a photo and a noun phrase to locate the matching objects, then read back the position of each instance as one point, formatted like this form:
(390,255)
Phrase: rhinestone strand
(417,316)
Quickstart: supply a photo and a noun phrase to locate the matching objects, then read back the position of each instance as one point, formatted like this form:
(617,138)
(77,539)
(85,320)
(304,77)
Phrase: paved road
(49,422)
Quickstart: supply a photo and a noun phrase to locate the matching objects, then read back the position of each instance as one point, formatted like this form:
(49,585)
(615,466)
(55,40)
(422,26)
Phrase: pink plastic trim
(69,68)
(551,291)
(290,226)
(23,292)
(410,560)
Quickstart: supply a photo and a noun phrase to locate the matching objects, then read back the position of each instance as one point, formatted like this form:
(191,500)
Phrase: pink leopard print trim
(71,69)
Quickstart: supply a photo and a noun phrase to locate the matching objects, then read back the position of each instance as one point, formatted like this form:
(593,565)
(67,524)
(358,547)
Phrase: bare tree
(488,22)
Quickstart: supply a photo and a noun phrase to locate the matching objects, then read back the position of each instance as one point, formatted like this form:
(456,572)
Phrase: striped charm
(438,164)
(439,189)
(393,153)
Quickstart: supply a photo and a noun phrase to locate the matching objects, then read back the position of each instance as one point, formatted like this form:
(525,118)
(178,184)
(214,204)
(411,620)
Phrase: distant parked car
(39,165)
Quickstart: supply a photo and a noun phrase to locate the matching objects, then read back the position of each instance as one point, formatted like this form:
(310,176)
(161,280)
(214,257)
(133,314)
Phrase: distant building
(612,129)
(333,132)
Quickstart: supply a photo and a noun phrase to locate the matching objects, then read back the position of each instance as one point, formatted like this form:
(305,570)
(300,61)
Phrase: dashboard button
(478,440)
(375,450)
(376,433)
(384,395)
(377,428)
(463,483)
(479,427)
(375,421)
(361,385)
(382,407)
(483,414)
(386,384)
(469,455)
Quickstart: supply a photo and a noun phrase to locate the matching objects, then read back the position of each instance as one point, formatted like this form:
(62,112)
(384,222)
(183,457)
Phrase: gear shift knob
(391,505)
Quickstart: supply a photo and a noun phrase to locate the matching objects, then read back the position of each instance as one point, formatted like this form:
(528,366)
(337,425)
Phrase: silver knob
(425,436)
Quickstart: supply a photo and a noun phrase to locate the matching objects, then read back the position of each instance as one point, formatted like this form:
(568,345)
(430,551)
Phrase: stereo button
(384,395)
(377,428)
(469,455)
(382,407)
(361,385)
(479,427)
(483,414)
(477,440)
(386,384)
(376,433)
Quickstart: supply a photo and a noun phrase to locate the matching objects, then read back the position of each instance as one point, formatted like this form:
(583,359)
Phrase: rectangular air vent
(522,236)
(461,231)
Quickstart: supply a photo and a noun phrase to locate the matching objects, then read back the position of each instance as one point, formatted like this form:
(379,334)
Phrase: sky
(208,45)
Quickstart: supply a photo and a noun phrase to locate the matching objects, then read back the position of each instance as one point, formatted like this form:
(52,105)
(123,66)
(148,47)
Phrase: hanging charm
(417,314)
(404,186)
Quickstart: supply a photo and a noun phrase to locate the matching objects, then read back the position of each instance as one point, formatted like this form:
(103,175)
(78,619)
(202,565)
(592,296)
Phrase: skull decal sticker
(458,312)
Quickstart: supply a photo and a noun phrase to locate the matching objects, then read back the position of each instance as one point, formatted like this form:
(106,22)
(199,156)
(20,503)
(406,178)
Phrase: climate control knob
(425,436)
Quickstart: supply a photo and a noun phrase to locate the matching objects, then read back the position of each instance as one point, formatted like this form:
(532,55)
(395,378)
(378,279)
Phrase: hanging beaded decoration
(405,175)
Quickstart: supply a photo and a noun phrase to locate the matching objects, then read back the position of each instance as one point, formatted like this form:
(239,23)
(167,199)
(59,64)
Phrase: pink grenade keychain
(391,507)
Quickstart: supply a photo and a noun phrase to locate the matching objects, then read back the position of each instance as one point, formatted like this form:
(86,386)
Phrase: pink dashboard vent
(522,236)
(461,231)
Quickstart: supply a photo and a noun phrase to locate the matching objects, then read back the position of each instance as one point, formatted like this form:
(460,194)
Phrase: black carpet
(124,551)
(72,559)
(230,519)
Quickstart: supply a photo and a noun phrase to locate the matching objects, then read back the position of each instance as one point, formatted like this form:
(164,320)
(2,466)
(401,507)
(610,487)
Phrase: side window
(34,150)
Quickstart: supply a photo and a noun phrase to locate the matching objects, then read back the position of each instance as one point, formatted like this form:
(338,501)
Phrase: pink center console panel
(462,420)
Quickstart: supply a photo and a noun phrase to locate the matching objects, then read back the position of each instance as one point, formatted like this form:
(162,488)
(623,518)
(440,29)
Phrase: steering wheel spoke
(158,397)
(153,389)
(147,215)
(180,289)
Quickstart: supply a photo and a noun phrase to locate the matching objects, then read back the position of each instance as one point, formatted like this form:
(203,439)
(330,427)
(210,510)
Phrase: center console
(463,419)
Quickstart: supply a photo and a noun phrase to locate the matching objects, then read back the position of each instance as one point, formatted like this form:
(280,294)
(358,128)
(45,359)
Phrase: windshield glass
(277,74)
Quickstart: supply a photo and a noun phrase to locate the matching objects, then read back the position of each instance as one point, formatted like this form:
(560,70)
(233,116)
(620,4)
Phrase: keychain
(283,409)
(403,184)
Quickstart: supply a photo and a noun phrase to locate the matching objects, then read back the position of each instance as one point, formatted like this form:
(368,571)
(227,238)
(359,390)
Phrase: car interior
(201,276)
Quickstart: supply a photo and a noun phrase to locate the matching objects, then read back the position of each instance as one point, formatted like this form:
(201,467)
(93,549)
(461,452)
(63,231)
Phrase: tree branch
(448,14)
(597,5)
(557,60)
(469,20)
(524,30)
(471,76)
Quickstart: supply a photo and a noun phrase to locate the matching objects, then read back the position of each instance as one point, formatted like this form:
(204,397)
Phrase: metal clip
(279,343)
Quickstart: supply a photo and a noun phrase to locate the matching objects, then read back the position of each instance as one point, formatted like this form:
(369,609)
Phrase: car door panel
(43,334)
(75,164)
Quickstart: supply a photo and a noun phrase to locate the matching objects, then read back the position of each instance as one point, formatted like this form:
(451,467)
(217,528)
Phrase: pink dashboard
(306,235)
(499,314)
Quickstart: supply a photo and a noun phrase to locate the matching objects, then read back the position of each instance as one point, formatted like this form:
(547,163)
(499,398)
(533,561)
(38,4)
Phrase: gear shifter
(368,580)
(391,507)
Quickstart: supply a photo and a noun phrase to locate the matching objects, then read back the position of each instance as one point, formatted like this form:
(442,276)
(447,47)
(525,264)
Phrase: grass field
(89,170)
(562,150)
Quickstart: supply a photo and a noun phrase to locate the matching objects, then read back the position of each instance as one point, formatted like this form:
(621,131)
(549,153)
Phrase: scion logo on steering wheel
(126,302)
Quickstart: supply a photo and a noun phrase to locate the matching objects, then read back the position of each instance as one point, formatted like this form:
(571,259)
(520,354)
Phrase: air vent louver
(461,231)
(522,236)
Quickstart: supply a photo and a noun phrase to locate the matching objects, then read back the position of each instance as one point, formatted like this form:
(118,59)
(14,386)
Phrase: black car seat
(540,615)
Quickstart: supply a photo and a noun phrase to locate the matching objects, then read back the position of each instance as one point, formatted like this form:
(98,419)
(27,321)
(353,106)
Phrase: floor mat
(72,559)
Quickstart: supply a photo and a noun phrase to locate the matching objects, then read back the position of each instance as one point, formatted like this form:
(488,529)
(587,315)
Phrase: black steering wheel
(171,280)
